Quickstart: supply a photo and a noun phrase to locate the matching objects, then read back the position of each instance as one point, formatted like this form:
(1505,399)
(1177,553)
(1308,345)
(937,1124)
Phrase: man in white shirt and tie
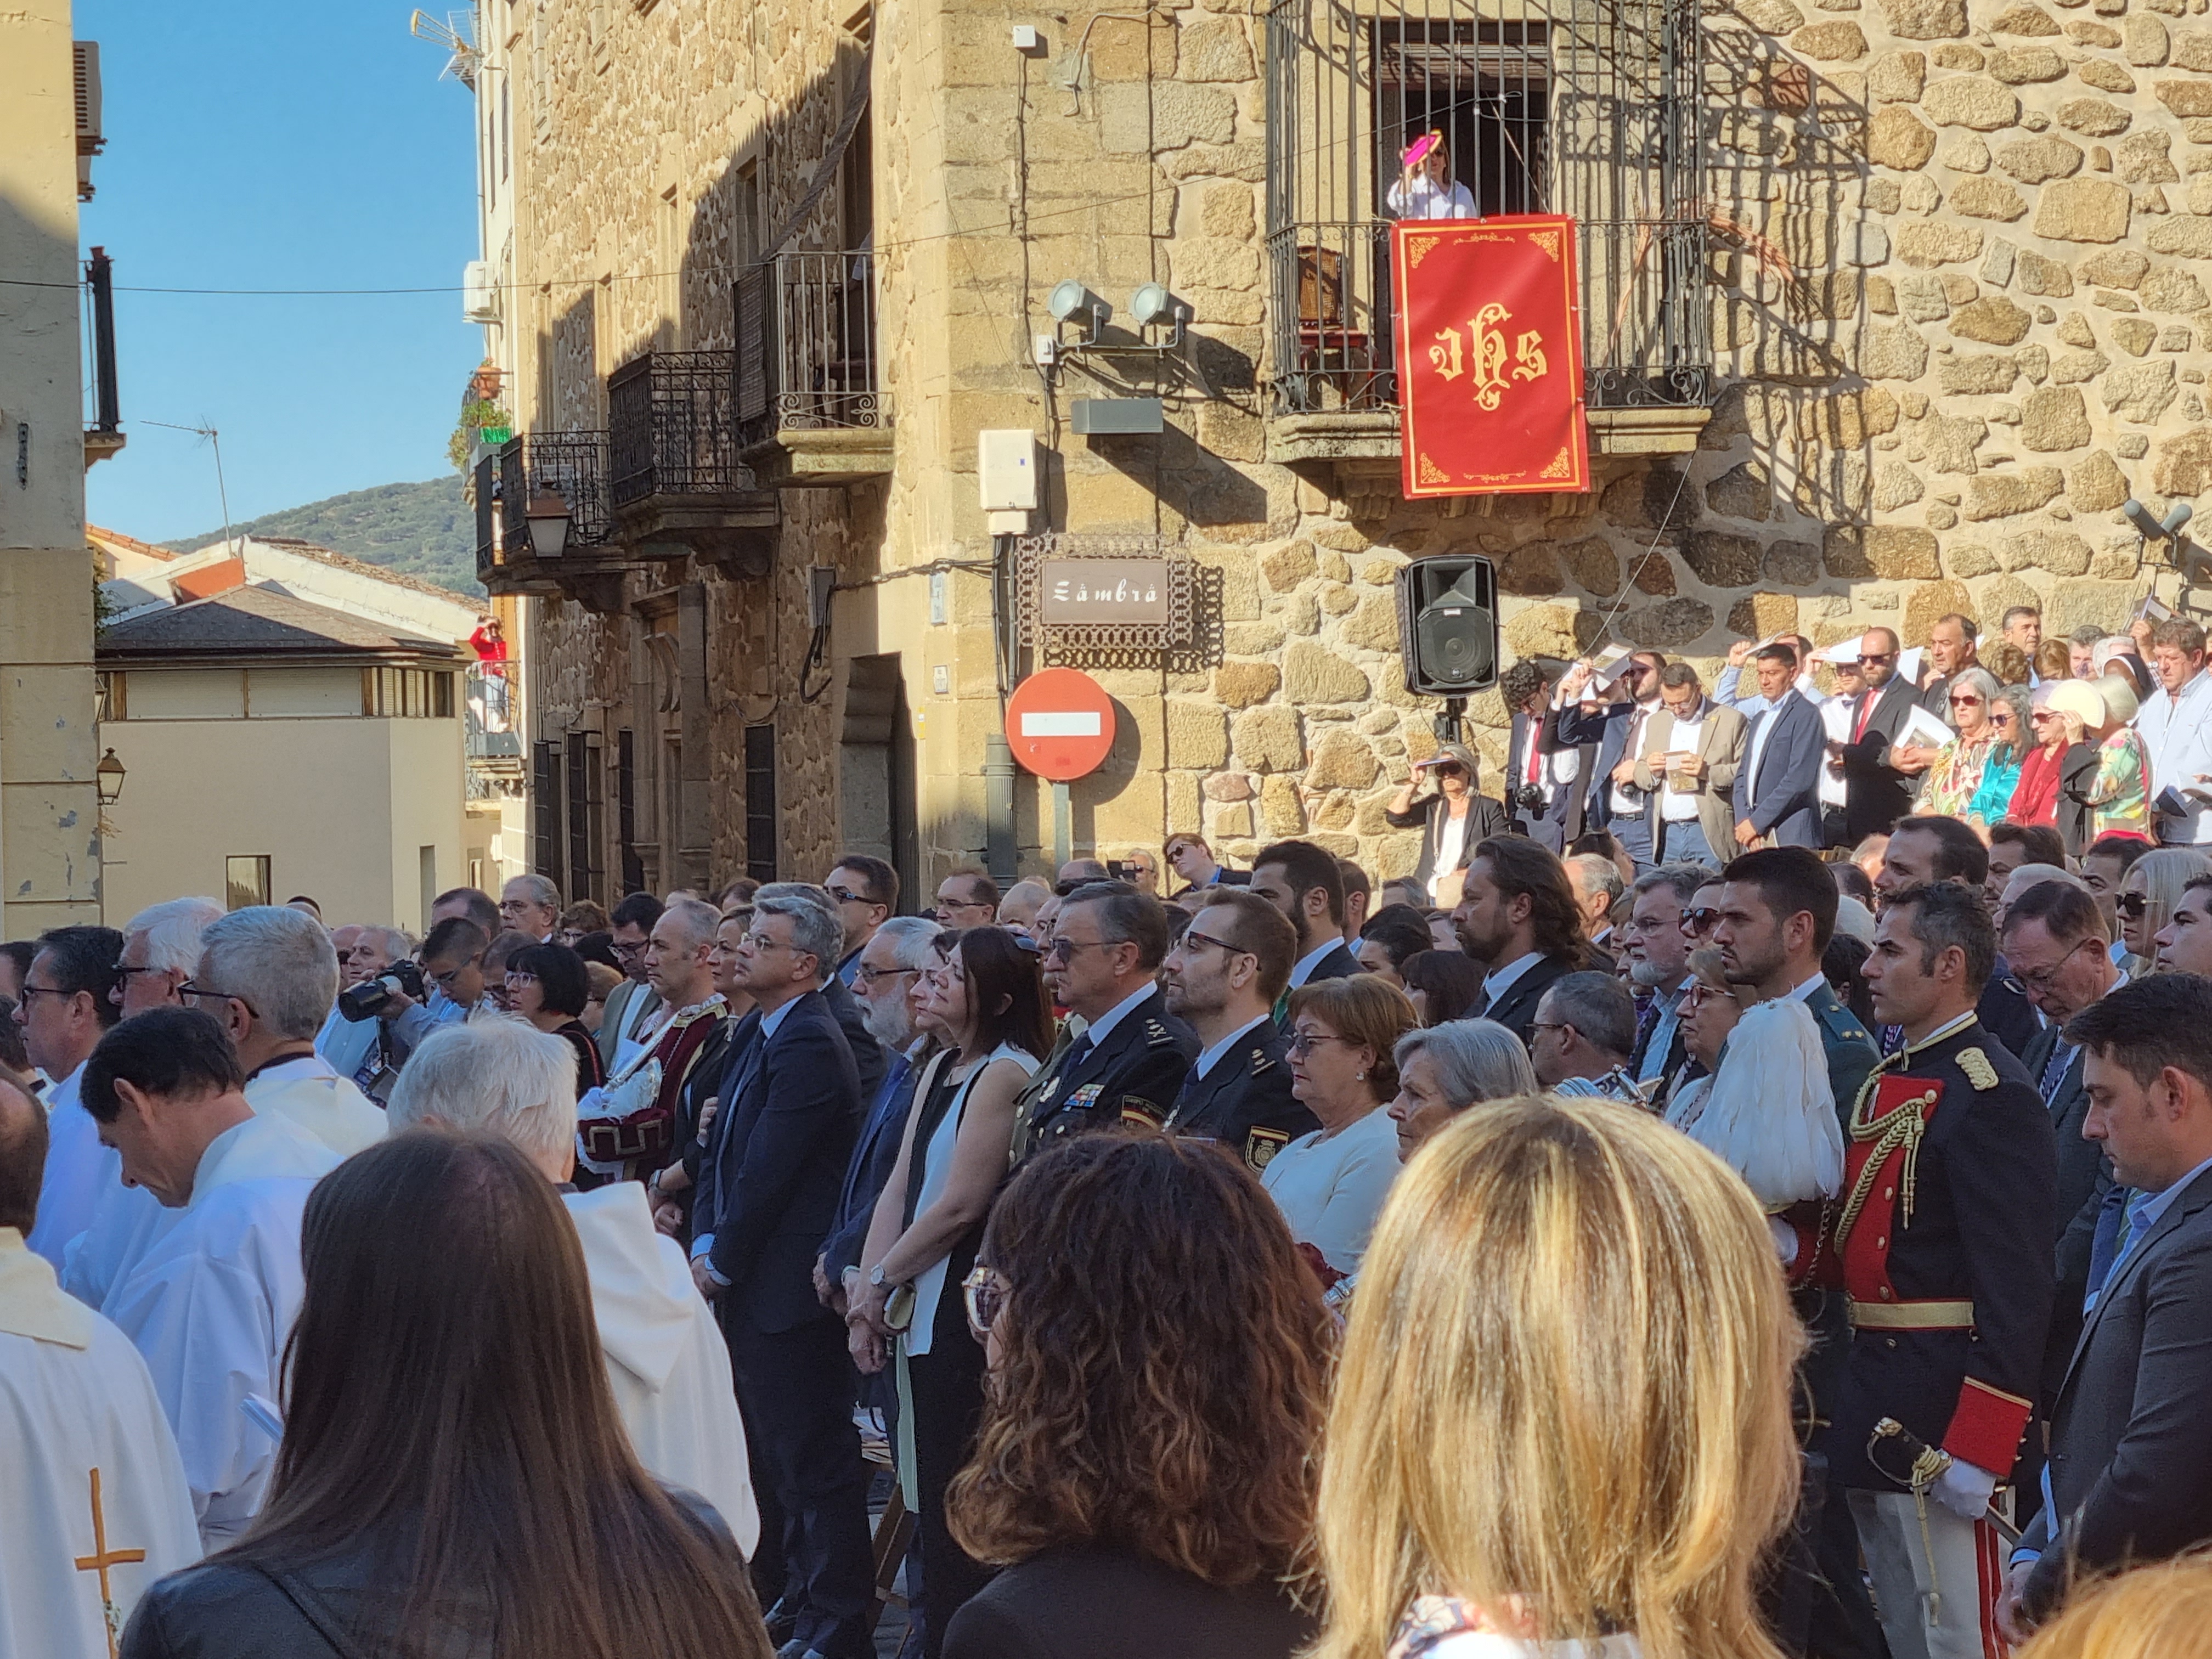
(2175,724)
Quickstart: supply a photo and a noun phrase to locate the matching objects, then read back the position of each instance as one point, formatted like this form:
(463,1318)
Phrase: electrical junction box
(1096,417)
(1006,471)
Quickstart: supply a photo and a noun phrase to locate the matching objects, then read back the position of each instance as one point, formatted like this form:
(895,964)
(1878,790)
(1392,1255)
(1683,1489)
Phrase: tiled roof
(259,621)
(346,561)
(116,538)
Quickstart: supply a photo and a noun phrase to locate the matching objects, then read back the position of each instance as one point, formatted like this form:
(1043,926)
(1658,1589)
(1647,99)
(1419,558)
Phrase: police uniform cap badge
(1979,1072)
(1260,1145)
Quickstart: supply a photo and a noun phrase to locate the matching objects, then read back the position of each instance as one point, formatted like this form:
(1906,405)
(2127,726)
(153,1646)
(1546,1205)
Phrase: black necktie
(1077,1052)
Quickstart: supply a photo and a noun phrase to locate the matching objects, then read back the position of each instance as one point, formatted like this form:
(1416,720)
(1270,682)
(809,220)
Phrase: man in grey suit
(2130,1476)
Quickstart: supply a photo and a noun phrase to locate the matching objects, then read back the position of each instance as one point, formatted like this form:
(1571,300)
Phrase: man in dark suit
(1189,857)
(1304,883)
(2055,943)
(1877,793)
(1518,917)
(883,975)
(1545,776)
(2129,1475)
(768,1188)
(1224,976)
(1127,1063)
(1612,800)
(1950,653)
(1778,790)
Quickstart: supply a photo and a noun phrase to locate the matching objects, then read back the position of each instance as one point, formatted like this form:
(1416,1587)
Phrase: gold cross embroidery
(100,1560)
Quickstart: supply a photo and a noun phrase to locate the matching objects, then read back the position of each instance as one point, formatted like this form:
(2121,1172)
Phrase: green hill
(425,530)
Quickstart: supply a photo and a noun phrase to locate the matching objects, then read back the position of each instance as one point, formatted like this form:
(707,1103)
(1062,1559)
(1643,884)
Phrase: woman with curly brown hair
(1145,1467)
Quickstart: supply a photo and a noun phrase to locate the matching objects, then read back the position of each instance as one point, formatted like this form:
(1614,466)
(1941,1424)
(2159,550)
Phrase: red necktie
(1866,708)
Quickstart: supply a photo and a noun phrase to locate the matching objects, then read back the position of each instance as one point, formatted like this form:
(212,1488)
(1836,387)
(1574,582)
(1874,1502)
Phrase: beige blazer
(1720,745)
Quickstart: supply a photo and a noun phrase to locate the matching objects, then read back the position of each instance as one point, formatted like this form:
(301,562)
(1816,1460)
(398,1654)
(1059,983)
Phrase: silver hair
(395,942)
(541,891)
(1475,1060)
(278,961)
(912,940)
(701,917)
(1598,1006)
(1595,873)
(1977,679)
(1682,880)
(815,929)
(173,930)
(501,1075)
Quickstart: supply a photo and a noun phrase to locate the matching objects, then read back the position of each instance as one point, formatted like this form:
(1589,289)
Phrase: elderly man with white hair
(160,948)
(268,974)
(352,1046)
(666,1360)
(532,905)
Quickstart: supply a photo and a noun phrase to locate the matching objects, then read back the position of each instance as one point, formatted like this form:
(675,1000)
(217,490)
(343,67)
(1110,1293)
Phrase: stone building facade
(1948,272)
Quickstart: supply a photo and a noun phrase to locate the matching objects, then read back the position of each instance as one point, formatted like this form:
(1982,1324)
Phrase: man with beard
(1224,976)
(1657,952)
(1518,917)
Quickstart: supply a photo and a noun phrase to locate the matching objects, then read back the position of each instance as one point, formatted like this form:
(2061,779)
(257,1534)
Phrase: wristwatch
(876,1276)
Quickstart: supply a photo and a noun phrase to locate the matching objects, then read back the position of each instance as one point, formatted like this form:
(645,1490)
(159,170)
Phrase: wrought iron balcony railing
(672,429)
(570,464)
(807,345)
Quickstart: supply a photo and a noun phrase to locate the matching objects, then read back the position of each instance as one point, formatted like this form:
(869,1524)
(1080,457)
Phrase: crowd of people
(1630,1233)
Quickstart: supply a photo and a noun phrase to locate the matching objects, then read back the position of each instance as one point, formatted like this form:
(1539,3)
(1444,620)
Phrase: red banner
(1490,356)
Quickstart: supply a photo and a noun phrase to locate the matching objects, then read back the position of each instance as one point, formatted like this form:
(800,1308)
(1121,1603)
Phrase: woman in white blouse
(1330,1183)
(1426,188)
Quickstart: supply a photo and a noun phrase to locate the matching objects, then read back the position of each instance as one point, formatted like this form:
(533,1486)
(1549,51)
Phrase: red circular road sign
(1059,724)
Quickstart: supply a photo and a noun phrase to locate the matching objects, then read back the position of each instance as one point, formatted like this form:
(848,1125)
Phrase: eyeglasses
(1302,1042)
(846,895)
(1063,950)
(1700,920)
(197,992)
(516,981)
(2135,905)
(624,952)
(1883,656)
(985,1292)
(2042,978)
(443,980)
(30,991)
(1697,993)
(1192,936)
(868,976)
(1547,1025)
(1966,701)
(125,971)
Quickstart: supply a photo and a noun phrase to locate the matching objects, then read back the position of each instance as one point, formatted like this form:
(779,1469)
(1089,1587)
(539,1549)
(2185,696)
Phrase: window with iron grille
(760,802)
(546,814)
(633,861)
(585,800)
(1586,107)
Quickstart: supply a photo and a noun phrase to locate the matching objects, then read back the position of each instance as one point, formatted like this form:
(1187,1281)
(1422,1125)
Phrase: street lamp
(1070,300)
(550,521)
(108,776)
(1152,303)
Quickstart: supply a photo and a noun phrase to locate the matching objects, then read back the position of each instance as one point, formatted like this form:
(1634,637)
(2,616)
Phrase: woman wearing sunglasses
(1453,821)
(2011,738)
(1709,1011)
(1144,1472)
(1955,773)
(985,1001)
(2149,892)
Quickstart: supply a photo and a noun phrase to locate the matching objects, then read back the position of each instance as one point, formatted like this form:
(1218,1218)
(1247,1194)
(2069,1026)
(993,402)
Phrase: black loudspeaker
(1448,625)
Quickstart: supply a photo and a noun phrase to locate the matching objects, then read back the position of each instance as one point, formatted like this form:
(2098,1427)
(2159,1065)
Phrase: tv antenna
(206,430)
(453,35)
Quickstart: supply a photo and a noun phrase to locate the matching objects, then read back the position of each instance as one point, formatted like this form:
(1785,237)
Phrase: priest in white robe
(271,975)
(64,1008)
(667,1362)
(94,1506)
(209,1304)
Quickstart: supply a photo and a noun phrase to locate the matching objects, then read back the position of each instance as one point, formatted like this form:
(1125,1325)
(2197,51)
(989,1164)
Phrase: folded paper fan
(1420,149)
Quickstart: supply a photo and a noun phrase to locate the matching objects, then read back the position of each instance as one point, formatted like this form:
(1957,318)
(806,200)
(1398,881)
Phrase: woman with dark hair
(550,986)
(1147,1481)
(453,1476)
(1388,937)
(1441,985)
(986,1003)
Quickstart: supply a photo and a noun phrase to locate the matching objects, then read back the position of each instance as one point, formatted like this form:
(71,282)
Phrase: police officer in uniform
(1128,1063)
(1941,1241)
(1224,976)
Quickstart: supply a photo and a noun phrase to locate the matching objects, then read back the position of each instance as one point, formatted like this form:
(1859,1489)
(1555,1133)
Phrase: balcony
(678,486)
(810,409)
(491,738)
(570,467)
(1566,106)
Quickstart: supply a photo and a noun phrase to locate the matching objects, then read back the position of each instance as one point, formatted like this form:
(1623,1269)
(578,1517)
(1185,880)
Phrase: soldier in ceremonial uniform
(1224,976)
(1941,1243)
(1128,1063)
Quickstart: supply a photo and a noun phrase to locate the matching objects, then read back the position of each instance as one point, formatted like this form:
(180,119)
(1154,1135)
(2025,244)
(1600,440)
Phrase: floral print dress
(2120,799)
(1954,776)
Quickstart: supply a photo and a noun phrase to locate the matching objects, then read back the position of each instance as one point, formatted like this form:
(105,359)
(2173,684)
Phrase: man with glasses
(2055,946)
(1617,801)
(624,1133)
(532,905)
(866,890)
(63,1009)
(1875,792)
(161,948)
(1128,1064)
(1222,977)
(1582,1037)
(967,898)
(633,1003)
(1656,945)
(1189,857)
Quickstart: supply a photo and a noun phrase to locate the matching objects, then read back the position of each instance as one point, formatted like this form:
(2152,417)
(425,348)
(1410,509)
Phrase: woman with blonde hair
(2149,892)
(1518,1469)
(2159,1611)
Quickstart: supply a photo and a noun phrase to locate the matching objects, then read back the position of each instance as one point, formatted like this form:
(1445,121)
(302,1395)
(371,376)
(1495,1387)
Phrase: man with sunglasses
(1875,792)
(1655,945)
(1617,801)
(1128,1064)
(1224,976)
(866,890)
(2056,946)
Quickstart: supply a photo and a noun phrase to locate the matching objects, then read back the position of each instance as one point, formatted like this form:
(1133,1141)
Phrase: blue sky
(255,146)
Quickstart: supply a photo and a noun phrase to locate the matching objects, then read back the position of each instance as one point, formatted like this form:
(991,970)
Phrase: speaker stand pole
(1448,723)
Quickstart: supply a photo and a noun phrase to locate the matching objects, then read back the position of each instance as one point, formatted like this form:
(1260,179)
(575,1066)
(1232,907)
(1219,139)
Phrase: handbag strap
(308,1607)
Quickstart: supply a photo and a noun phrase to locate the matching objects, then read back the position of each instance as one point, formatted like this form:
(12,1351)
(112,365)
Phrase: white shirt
(1681,807)
(2177,734)
(667,1361)
(1425,199)
(1452,840)
(327,1106)
(79,1170)
(1331,1188)
(630,1034)
(210,1306)
(1803,992)
(1497,983)
(1306,963)
(74,1397)
(1212,1055)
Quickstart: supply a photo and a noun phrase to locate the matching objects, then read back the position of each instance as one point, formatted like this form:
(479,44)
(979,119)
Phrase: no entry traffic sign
(1059,724)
